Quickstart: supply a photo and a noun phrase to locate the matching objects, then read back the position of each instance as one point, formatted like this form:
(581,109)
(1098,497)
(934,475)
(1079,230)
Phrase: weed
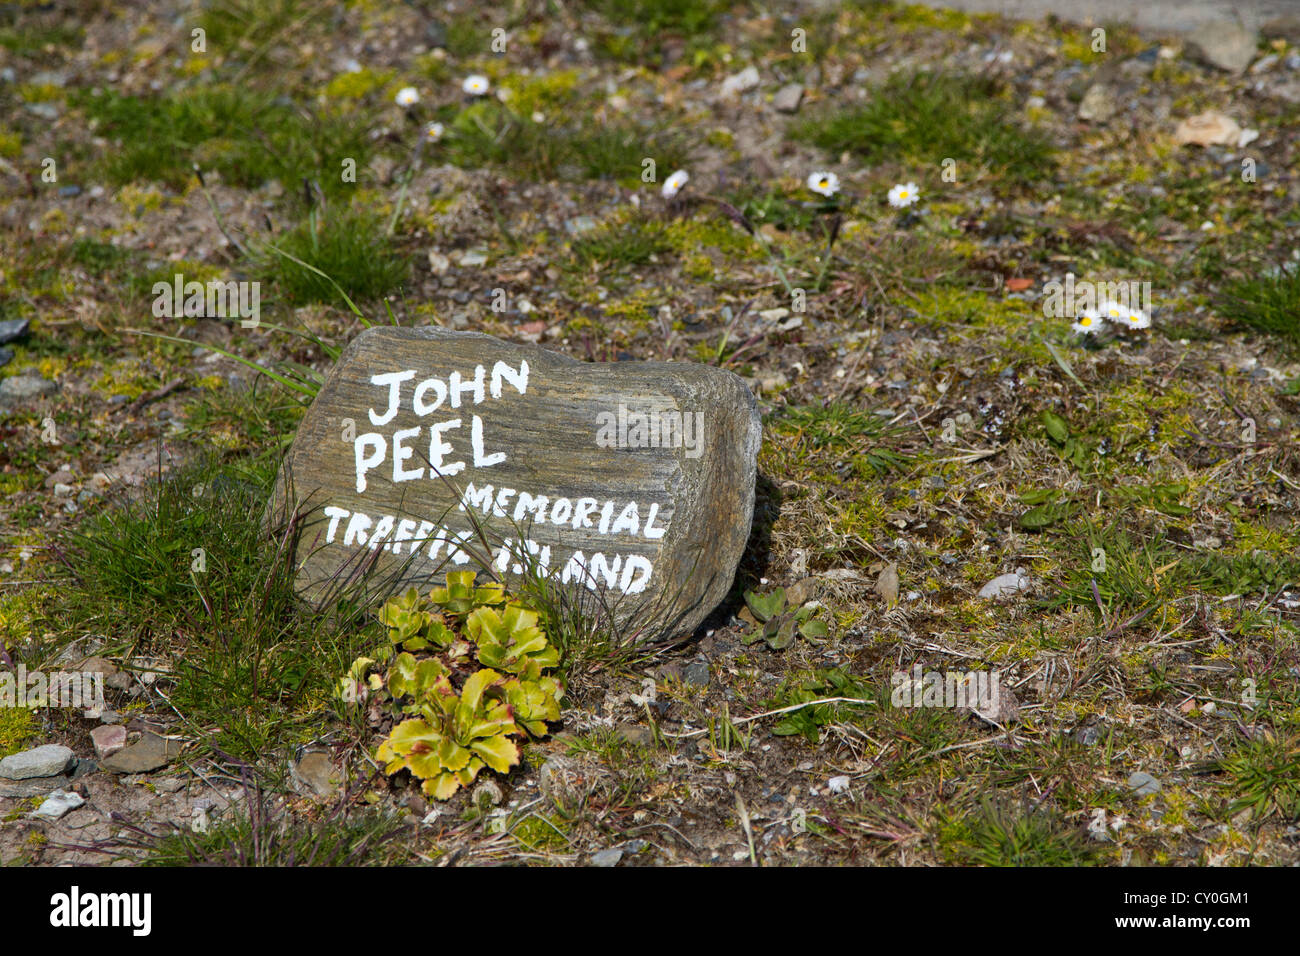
(1269,303)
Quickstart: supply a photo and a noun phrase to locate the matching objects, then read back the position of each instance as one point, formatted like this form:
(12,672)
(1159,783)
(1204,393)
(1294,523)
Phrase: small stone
(1210,128)
(838,784)
(1006,585)
(62,490)
(169,784)
(57,804)
(35,787)
(438,262)
(635,734)
(24,386)
(887,584)
(150,752)
(108,740)
(6,356)
(579,224)
(788,98)
(70,191)
(741,82)
(607,858)
(1224,45)
(11,329)
(473,257)
(1098,104)
(46,761)
(1088,736)
(1143,784)
(316,773)
(696,672)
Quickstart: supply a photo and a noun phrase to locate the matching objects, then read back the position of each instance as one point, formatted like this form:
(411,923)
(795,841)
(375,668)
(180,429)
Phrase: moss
(355,86)
(17,727)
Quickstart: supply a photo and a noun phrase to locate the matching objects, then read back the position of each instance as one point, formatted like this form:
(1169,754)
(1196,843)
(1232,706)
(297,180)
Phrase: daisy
(827,184)
(1113,312)
(1088,323)
(433,132)
(1136,319)
(900,197)
(475,85)
(674,183)
(407,97)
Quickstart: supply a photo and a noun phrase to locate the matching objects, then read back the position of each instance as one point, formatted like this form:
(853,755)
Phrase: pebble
(150,752)
(1098,104)
(1142,783)
(6,356)
(606,858)
(26,386)
(46,761)
(696,672)
(741,82)
(57,804)
(1224,45)
(788,98)
(579,224)
(438,262)
(108,740)
(11,329)
(473,257)
(1006,585)
(317,773)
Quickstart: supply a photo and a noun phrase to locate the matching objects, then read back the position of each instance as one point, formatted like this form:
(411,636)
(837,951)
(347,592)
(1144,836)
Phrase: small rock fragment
(1143,784)
(108,740)
(57,804)
(1006,585)
(607,858)
(46,761)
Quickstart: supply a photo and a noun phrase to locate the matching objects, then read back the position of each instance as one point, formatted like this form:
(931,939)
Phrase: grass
(1268,303)
(621,245)
(190,573)
(247,136)
(349,247)
(926,117)
(1266,776)
(998,835)
(840,431)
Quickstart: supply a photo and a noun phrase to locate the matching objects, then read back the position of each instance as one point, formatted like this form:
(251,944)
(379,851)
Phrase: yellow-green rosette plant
(456,719)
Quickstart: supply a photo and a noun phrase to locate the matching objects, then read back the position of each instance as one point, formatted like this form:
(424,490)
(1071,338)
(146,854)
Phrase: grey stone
(6,356)
(11,329)
(57,804)
(579,224)
(25,386)
(45,761)
(473,257)
(1143,784)
(1225,45)
(1098,104)
(696,672)
(607,858)
(1088,736)
(741,82)
(34,787)
(169,784)
(150,752)
(788,98)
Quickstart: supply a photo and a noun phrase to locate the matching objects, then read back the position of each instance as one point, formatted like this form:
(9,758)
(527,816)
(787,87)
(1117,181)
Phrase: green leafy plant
(459,719)
(1071,448)
(808,721)
(778,624)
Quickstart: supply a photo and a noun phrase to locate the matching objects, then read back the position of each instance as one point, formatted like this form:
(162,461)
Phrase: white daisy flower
(433,132)
(902,196)
(674,183)
(1136,319)
(827,184)
(1088,322)
(1113,312)
(407,97)
(475,85)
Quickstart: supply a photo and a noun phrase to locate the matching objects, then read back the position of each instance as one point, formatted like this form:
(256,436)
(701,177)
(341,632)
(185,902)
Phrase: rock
(108,740)
(634,479)
(1210,128)
(45,761)
(801,592)
(1088,736)
(57,804)
(317,775)
(994,702)
(13,329)
(887,584)
(1223,44)
(472,257)
(838,784)
(169,784)
(696,672)
(34,787)
(788,98)
(6,356)
(438,262)
(606,858)
(25,386)
(1143,784)
(150,752)
(1098,104)
(741,82)
(1283,27)
(1006,585)
(579,224)
(635,734)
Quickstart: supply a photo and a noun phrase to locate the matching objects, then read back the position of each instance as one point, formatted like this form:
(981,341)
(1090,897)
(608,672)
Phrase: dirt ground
(953,478)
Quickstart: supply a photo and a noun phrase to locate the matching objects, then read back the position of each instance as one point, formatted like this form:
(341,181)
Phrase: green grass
(490,134)
(248,137)
(252,666)
(350,246)
(836,429)
(1001,836)
(1265,775)
(1266,303)
(924,118)
(621,245)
